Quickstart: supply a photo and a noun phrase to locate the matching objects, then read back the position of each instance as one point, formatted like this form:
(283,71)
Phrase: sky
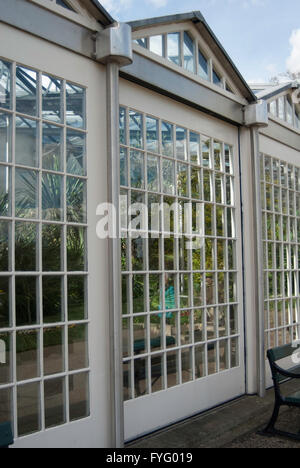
(261,36)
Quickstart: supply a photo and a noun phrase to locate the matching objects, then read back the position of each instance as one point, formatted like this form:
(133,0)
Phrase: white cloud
(158,3)
(115,6)
(293,61)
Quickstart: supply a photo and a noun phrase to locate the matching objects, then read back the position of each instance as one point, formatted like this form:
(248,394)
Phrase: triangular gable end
(188,42)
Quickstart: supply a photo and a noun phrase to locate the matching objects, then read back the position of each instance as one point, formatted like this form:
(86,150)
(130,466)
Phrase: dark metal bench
(280,375)
(6,436)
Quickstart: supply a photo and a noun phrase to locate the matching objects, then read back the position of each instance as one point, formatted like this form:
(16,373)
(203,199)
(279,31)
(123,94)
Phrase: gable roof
(208,35)
(269,91)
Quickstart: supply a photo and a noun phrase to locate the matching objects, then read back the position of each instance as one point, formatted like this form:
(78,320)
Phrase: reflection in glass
(203,66)
(195,148)
(156,45)
(77,298)
(5,229)
(174,48)
(154,254)
(52,147)
(26,300)
(156,332)
(5,135)
(126,337)
(125,294)
(212,358)
(6,368)
(169,255)
(51,98)
(198,289)
(127,381)
(28,399)
(140,335)
(137,169)
(27,345)
(152,134)
(79,396)
(184,291)
(5,183)
(157,373)
(52,247)
(186,365)
(198,316)
(181,143)
(206,150)
(182,180)
(53,350)
(122,121)
(26,196)
(155,295)
(167,139)
(5,84)
(76,200)
(52,196)
(153,173)
(188,53)
(52,299)
(76,248)
(196,183)
(26,91)
(4,302)
(207,176)
(138,251)
(75,113)
(185,327)
(123,167)
(223,354)
(223,328)
(172,369)
(235,351)
(55,397)
(211,323)
(140,377)
(139,293)
(136,129)
(5,404)
(217,79)
(168,177)
(200,361)
(78,347)
(26,246)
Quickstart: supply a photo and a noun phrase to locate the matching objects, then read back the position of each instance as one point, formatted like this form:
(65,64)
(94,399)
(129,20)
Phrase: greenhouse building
(149,223)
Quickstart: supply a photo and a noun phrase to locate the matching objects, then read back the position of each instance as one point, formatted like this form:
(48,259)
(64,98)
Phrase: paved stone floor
(234,425)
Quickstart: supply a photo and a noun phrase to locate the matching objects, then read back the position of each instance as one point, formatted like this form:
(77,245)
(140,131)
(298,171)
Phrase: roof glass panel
(156,45)
(188,53)
(64,4)
(174,48)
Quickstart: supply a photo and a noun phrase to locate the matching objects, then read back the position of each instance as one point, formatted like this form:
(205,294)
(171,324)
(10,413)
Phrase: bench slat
(294,398)
(281,352)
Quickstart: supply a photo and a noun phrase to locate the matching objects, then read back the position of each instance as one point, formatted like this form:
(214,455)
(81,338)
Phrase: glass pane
(167,139)
(153,173)
(26,258)
(5,84)
(76,248)
(216,79)
(206,152)
(168,177)
(26,142)
(6,373)
(122,123)
(26,91)
(198,289)
(212,358)
(188,53)
(195,148)
(5,136)
(52,247)
(52,147)
(28,399)
(52,198)
(136,129)
(157,373)
(281,110)
(203,66)
(78,347)
(26,193)
(218,156)
(140,335)
(5,183)
(55,396)
(187,366)
(54,350)
(75,114)
(155,295)
(5,239)
(235,352)
(26,301)
(4,302)
(123,167)
(27,344)
(141,42)
(76,200)
(51,98)
(181,143)
(182,180)
(185,327)
(196,183)
(156,45)
(138,254)
(156,332)
(52,299)
(79,396)
(5,405)
(198,325)
(152,134)
(172,369)
(228,159)
(77,298)
(184,291)
(223,354)
(174,48)
(140,377)
(207,185)
(125,295)
(200,361)
(137,169)
(170,295)
(139,293)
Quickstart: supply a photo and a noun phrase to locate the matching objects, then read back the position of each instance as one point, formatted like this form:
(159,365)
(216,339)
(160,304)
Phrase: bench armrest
(286,373)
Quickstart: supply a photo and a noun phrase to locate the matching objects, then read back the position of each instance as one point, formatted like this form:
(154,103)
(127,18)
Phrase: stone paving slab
(233,425)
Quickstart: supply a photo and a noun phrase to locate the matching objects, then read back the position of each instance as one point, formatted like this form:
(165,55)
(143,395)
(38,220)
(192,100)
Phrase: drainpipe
(256,117)
(113,47)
